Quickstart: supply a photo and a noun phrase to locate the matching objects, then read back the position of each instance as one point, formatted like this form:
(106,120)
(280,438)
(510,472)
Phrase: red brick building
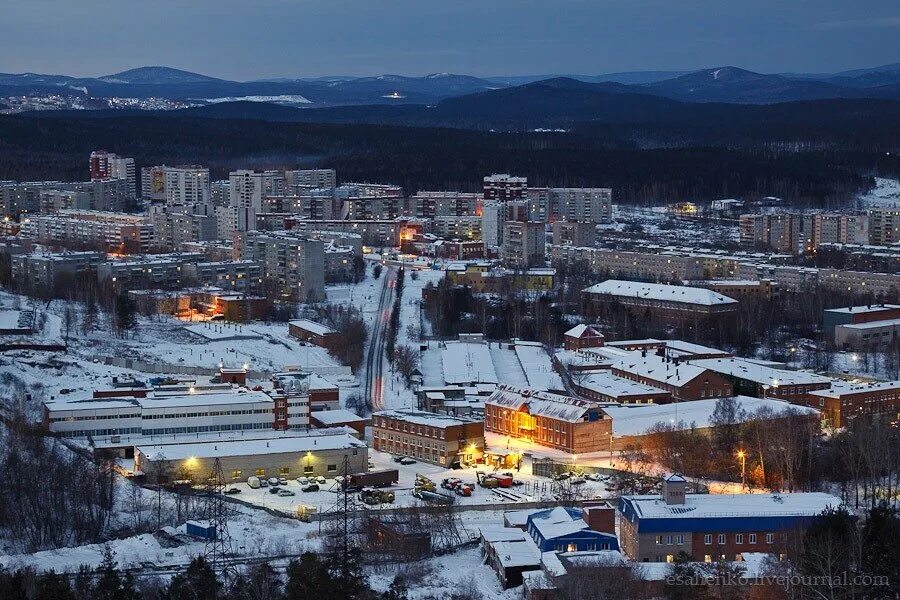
(846,401)
(430,437)
(582,336)
(685,381)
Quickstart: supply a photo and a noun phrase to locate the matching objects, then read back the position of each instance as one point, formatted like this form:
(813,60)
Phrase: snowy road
(374,385)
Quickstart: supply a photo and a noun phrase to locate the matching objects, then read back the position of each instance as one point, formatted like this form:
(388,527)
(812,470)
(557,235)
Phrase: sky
(249,39)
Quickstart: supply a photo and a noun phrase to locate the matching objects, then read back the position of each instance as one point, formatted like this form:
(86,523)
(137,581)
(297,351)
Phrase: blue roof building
(563,529)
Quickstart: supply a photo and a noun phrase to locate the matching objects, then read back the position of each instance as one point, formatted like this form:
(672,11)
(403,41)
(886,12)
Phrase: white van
(253,482)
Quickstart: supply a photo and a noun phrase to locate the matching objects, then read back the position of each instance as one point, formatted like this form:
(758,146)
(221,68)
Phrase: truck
(373,496)
(486,481)
(379,478)
(504,481)
(428,496)
(303,512)
(425,483)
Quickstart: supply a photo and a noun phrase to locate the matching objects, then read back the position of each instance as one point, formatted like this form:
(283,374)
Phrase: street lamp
(743,456)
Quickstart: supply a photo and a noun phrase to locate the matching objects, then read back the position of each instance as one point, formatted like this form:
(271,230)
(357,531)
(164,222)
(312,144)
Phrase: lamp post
(743,456)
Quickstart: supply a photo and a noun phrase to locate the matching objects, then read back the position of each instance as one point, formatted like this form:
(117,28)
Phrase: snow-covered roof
(311,443)
(237,396)
(465,362)
(582,330)
(638,419)
(312,327)
(870,308)
(681,348)
(517,554)
(335,417)
(494,533)
(607,384)
(872,324)
(744,369)
(520,517)
(657,369)
(698,506)
(662,292)
(542,404)
(421,417)
(843,388)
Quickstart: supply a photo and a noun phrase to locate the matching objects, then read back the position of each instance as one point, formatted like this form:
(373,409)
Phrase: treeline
(638,168)
(310,577)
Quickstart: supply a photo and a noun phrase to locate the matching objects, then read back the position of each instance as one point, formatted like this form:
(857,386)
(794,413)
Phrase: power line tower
(344,528)
(218,550)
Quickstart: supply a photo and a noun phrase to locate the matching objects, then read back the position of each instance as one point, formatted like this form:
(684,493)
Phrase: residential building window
(770,538)
(332,468)
(659,539)
(751,538)
(236,474)
(721,538)
(739,538)
(284,471)
(707,539)
(260,472)
(307,470)
(679,539)
(668,540)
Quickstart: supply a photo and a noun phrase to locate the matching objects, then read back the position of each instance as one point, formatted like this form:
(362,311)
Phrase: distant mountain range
(722,84)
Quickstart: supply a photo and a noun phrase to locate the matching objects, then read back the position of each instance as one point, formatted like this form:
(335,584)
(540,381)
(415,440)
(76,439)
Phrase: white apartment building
(884,226)
(311,178)
(186,186)
(592,205)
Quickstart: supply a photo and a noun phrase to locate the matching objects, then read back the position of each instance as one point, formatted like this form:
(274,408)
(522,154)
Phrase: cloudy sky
(246,39)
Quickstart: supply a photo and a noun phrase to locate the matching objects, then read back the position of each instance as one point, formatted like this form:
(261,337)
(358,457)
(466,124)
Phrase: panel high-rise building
(503,187)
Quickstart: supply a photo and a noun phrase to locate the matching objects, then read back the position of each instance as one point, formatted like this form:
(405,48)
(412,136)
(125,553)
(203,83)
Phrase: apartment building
(661,265)
(186,186)
(574,233)
(378,233)
(523,244)
(807,279)
(884,226)
(592,205)
(711,527)
(41,271)
(153,182)
(164,271)
(781,232)
(430,437)
(504,187)
(117,232)
(173,228)
(294,263)
(107,165)
(460,228)
(430,205)
(311,178)
(560,422)
(241,275)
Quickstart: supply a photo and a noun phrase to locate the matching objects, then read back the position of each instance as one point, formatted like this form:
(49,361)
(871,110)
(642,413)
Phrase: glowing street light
(743,456)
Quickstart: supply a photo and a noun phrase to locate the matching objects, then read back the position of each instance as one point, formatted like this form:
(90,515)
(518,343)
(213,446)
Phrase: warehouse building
(293,456)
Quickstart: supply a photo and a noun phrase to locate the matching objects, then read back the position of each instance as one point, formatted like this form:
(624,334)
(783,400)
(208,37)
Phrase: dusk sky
(242,39)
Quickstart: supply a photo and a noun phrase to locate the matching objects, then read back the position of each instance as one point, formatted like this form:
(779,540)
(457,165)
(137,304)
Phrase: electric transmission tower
(218,549)
(344,527)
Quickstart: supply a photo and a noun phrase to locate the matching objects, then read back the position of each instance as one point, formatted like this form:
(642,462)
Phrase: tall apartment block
(505,187)
(523,244)
(293,263)
(884,226)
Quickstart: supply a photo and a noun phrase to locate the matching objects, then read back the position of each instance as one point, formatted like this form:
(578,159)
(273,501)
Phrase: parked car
(303,480)
(399,459)
(282,481)
(253,482)
(273,481)
(312,487)
(274,489)
(231,491)
(263,482)
(593,476)
(320,480)
(284,492)
(407,461)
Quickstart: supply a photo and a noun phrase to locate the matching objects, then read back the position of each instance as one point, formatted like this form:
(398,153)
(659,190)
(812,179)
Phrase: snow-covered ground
(534,488)
(885,193)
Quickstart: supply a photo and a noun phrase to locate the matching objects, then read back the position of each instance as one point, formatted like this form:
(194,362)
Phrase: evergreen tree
(881,550)
(308,579)
(198,582)
(126,314)
(50,586)
(398,590)
(110,584)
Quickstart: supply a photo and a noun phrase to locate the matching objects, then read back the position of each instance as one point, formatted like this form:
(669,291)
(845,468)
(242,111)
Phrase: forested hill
(813,154)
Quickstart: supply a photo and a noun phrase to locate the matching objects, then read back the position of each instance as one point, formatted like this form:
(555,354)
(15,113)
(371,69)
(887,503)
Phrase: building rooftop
(582,330)
(311,443)
(604,382)
(657,368)
(842,388)
(871,324)
(335,417)
(313,327)
(697,506)
(421,417)
(517,554)
(761,374)
(639,419)
(543,404)
(661,292)
(870,308)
